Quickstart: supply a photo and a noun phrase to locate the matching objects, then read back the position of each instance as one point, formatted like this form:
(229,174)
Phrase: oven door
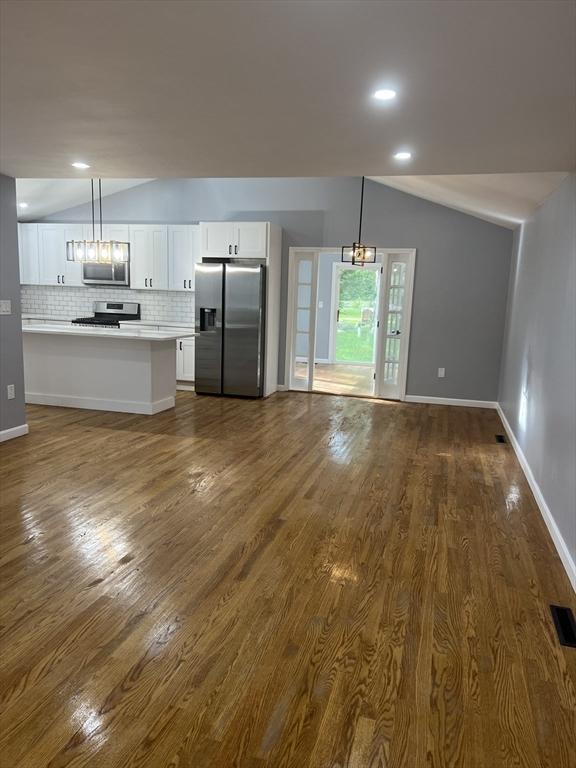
(106,274)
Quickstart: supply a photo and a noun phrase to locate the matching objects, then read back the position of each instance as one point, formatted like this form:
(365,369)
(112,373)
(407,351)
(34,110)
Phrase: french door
(348,327)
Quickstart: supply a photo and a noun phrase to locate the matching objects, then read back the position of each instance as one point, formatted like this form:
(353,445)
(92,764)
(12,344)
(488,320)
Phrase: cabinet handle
(180,346)
(235,250)
(150,282)
(146,282)
(229,250)
(58,279)
(189,283)
(184,283)
(62,279)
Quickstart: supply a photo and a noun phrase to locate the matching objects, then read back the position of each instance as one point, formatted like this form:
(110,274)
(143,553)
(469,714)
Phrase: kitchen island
(132,370)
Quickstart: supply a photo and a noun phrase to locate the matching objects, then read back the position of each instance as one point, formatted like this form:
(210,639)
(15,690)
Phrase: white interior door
(396,309)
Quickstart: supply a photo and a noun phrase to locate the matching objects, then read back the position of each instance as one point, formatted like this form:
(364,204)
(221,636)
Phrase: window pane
(391,373)
(398,276)
(396,299)
(302,345)
(305,272)
(394,322)
(303,320)
(392,350)
(304,295)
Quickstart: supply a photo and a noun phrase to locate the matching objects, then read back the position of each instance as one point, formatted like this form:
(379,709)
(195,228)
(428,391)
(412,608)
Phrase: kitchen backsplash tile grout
(69,302)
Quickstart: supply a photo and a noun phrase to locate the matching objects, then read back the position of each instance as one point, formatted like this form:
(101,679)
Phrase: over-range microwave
(106,274)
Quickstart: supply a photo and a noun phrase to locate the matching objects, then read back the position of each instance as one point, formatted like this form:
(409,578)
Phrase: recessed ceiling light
(384,94)
(23,205)
(81,166)
(403,156)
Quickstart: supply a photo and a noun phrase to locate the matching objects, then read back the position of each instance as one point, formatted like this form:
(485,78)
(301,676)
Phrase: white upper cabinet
(28,254)
(251,239)
(244,239)
(149,256)
(217,238)
(53,267)
(183,254)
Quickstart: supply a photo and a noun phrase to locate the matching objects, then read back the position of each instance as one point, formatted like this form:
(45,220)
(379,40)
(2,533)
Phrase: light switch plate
(441,373)
(10,392)
(5,307)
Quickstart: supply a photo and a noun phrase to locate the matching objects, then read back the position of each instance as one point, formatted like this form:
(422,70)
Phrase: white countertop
(142,333)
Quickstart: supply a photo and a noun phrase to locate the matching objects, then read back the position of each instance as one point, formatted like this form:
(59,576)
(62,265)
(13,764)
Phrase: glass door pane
(302,331)
(351,365)
(394,307)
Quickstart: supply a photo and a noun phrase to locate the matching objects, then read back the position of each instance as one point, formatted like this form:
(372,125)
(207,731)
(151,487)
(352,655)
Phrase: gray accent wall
(538,380)
(462,263)
(12,412)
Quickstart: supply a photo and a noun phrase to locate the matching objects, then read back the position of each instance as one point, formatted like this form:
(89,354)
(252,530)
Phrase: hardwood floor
(301,582)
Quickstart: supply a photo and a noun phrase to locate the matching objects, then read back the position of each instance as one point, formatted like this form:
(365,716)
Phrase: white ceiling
(46,196)
(252,88)
(504,198)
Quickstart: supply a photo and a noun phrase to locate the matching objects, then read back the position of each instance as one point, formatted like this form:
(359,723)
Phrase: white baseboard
(9,434)
(185,387)
(450,401)
(96,404)
(282,388)
(557,538)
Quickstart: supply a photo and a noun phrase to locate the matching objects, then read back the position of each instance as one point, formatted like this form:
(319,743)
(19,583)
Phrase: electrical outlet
(5,307)
(441,373)
(10,392)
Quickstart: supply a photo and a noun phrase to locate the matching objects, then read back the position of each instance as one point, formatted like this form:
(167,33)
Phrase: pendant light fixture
(97,250)
(357,253)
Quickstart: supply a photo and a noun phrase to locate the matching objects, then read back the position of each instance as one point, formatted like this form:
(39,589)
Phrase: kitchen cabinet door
(53,267)
(119,232)
(72,269)
(185,360)
(217,238)
(182,255)
(28,254)
(148,256)
(160,258)
(140,257)
(251,239)
(51,254)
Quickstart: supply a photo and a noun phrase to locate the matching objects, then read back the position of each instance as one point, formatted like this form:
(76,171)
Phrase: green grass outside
(351,347)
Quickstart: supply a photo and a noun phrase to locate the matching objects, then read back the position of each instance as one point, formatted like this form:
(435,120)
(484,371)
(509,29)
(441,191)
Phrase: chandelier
(97,251)
(358,253)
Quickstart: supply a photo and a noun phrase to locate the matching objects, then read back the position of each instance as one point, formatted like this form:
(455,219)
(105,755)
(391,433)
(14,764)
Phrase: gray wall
(462,263)
(12,412)
(538,381)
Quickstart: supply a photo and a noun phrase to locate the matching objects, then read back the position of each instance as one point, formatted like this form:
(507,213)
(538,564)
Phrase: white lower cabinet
(185,359)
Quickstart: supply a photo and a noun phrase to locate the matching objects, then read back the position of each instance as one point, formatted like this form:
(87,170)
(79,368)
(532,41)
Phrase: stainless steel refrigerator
(230,315)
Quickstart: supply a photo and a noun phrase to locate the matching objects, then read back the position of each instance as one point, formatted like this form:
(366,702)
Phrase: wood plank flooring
(301,582)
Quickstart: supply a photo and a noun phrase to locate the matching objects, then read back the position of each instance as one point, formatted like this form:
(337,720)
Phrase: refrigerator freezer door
(243,330)
(208,348)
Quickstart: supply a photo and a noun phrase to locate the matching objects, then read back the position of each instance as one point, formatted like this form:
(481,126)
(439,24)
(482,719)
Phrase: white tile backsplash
(68,302)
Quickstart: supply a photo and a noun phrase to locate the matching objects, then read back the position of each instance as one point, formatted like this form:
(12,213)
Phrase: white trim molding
(557,538)
(450,401)
(9,434)
(97,404)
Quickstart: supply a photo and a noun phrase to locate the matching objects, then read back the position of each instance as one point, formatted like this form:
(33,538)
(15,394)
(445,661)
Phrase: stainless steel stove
(109,314)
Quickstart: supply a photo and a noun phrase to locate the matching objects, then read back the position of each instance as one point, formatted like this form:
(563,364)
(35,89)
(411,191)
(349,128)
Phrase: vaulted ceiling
(252,88)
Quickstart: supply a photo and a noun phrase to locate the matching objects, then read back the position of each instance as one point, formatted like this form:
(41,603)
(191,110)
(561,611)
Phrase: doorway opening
(349,326)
